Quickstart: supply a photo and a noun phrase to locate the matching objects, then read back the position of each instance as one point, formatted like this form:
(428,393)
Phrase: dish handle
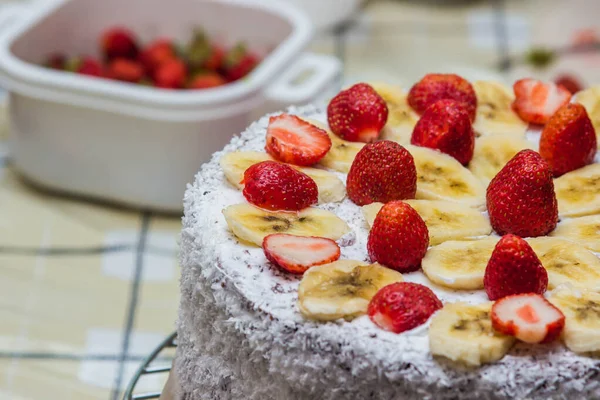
(305,81)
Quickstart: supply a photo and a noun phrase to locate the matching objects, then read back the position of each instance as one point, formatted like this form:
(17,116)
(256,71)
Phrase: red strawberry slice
(536,101)
(399,237)
(568,140)
(446,126)
(296,254)
(434,87)
(382,171)
(403,306)
(514,268)
(295,141)
(278,187)
(357,114)
(528,317)
(521,197)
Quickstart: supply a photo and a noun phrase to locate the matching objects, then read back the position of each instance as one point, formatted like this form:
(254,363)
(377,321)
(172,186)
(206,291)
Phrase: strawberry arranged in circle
(293,140)
(434,87)
(296,254)
(521,198)
(402,306)
(514,268)
(357,114)
(568,141)
(536,101)
(381,172)
(398,238)
(446,126)
(119,42)
(278,187)
(528,317)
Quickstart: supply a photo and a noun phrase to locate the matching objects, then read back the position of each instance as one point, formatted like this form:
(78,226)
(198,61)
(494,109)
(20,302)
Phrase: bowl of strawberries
(122,102)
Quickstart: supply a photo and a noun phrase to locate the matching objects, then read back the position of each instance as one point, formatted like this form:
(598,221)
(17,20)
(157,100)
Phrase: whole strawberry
(56,61)
(171,75)
(156,54)
(119,42)
(514,268)
(521,198)
(238,62)
(381,172)
(568,140)
(84,65)
(357,114)
(446,126)
(278,187)
(125,70)
(399,237)
(434,87)
(403,306)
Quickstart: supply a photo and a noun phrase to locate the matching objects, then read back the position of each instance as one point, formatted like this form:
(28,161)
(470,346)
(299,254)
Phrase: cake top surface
(272,294)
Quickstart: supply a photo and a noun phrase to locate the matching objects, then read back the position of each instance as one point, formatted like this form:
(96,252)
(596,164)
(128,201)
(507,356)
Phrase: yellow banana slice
(401,117)
(492,153)
(445,220)
(464,333)
(590,99)
(252,224)
(582,318)
(441,177)
(459,264)
(578,192)
(494,111)
(341,289)
(567,262)
(582,230)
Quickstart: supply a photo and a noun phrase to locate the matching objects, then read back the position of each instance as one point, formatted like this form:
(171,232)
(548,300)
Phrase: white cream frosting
(239,319)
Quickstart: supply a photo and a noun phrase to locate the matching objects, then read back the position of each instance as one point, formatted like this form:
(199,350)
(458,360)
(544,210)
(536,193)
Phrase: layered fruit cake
(439,243)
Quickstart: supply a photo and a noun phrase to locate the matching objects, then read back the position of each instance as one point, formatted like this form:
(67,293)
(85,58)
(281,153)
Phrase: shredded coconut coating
(241,335)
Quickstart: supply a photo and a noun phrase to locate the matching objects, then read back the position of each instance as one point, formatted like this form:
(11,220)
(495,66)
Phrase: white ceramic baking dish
(135,145)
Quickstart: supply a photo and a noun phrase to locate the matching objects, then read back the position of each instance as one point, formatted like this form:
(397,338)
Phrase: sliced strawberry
(357,114)
(403,306)
(276,186)
(536,101)
(296,254)
(528,317)
(295,141)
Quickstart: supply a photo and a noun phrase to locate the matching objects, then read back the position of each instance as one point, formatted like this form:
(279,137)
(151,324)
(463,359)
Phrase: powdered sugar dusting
(279,333)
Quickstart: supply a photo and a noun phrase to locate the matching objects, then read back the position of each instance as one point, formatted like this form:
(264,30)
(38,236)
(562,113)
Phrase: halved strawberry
(296,254)
(536,101)
(357,114)
(295,141)
(528,317)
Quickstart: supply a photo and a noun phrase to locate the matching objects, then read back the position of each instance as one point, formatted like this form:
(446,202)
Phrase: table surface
(88,290)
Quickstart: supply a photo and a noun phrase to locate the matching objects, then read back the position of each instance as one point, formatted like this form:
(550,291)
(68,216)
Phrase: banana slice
(459,264)
(492,153)
(590,99)
(331,188)
(341,289)
(401,117)
(252,224)
(567,262)
(441,177)
(578,192)
(342,152)
(445,220)
(234,164)
(464,333)
(583,230)
(494,111)
(582,318)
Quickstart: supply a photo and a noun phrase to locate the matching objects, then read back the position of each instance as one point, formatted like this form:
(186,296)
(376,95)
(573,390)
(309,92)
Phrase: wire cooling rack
(151,366)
